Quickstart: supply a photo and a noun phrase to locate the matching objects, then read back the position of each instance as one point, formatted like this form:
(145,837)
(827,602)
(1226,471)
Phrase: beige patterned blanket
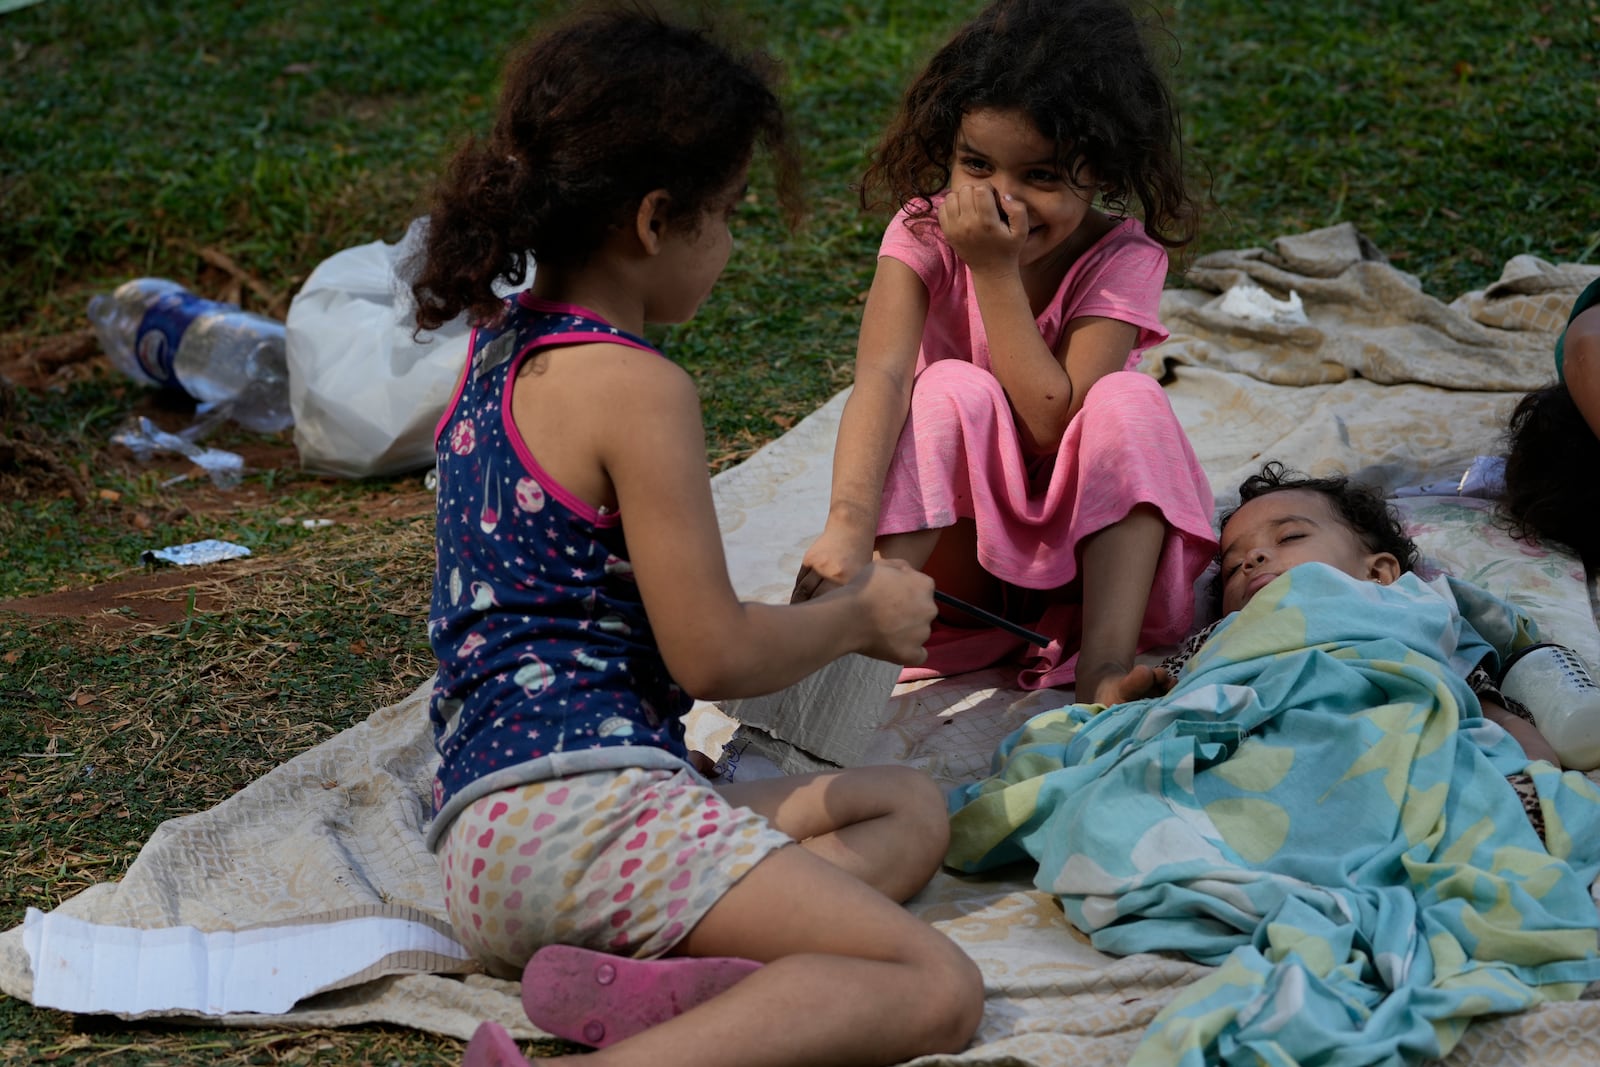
(1380,380)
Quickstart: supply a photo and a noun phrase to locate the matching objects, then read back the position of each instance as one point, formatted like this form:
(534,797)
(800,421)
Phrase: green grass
(147,138)
(1453,134)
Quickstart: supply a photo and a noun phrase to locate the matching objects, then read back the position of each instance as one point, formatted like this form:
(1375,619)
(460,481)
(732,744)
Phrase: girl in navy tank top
(581,602)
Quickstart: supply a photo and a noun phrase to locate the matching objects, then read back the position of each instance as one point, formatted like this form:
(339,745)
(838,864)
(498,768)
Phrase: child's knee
(920,801)
(955,383)
(1124,387)
(1126,412)
(921,823)
(967,1010)
(952,1000)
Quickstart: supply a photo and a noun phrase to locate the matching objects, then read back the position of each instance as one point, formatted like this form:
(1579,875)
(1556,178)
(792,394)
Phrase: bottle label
(161,330)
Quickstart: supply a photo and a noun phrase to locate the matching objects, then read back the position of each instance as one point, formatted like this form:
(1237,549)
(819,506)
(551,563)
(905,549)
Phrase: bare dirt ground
(31,466)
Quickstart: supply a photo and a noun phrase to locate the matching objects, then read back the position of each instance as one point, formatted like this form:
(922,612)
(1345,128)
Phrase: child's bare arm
(715,645)
(886,356)
(1046,388)
(1528,736)
(1581,355)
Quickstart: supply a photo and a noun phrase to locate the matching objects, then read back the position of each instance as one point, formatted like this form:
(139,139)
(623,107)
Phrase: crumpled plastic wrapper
(194,553)
(1484,478)
(1255,304)
(145,439)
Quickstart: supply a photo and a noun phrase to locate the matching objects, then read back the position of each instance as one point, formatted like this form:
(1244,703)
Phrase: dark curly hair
(1551,491)
(1362,508)
(594,113)
(1084,72)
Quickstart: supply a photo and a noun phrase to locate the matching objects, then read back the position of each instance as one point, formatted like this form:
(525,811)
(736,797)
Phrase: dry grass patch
(108,732)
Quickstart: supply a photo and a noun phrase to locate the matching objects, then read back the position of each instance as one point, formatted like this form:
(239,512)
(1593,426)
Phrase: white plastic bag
(366,396)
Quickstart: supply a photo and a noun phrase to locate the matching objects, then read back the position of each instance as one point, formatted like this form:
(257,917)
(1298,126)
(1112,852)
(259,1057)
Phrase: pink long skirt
(960,456)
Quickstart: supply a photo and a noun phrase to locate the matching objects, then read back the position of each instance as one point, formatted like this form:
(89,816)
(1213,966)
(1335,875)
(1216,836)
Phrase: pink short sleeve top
(1119,277)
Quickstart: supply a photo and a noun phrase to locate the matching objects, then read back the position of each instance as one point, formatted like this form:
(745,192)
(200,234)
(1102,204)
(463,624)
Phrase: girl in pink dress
(998,436)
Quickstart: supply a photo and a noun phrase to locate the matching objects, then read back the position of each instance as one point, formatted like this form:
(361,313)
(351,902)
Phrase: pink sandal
(598,999)
(491,1046)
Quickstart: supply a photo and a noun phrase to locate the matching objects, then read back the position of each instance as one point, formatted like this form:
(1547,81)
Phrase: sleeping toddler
(1284,520)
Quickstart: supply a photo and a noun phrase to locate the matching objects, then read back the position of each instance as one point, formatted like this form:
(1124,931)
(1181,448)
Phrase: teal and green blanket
(1318,808)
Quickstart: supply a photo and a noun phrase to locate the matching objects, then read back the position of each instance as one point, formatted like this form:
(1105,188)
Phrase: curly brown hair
(1551,492)
(594,113)
(1362,508)
(1084,72)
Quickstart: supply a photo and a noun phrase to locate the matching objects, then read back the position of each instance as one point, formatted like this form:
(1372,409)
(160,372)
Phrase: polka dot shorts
(624,862)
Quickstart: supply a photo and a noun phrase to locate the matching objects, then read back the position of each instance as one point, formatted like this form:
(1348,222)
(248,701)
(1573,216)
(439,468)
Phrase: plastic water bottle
(1554,684)
(159,333)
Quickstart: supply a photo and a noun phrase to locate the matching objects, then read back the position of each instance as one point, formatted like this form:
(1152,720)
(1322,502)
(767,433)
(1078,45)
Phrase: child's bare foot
(491,1046)
(1116,684)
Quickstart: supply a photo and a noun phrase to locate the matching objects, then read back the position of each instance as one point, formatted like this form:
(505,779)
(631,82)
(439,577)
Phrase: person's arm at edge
(1581,365)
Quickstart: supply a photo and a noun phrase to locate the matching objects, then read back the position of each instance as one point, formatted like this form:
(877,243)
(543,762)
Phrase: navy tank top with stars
(547,664)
